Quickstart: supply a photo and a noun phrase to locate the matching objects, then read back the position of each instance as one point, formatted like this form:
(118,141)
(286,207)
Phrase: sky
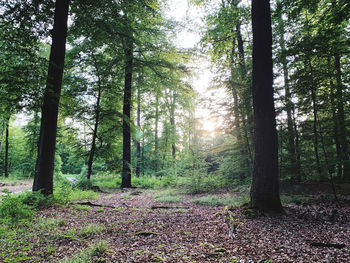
(192,17)
(189,37)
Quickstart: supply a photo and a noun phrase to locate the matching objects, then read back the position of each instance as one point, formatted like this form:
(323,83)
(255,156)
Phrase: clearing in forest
(167,226)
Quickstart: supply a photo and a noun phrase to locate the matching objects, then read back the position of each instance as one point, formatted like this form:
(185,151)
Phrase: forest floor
(136,225)
(16,186)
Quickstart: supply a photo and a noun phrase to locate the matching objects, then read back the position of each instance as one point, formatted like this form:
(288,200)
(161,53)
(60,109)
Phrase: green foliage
(13,211)
(214,200)
(91,229)
(169,196)
(93,253)
(12,249)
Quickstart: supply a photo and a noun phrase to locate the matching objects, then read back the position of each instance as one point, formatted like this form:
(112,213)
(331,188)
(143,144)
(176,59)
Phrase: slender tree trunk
(156,126)
(341,120)
(172,123)
(156,143)
(94,135)
(297,147)
(265,194)
(126,173)
(43,179)
(336,132)
(314,107)
(7,148)
(3,128)
(294,167)
(138,144)
(246,100)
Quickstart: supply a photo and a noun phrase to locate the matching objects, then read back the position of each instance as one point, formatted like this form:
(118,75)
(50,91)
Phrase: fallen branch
(145,233)
(318,244)
(169,207)
(92,204)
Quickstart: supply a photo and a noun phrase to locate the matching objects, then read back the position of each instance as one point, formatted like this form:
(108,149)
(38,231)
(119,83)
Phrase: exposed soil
(137,233)
(17,188)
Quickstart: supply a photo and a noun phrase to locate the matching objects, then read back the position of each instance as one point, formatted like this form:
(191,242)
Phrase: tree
(43,180)
(264,193)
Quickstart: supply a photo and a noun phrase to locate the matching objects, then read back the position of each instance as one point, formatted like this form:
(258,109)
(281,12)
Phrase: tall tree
(43,179)
(264,193)
(126,172)
(7,148)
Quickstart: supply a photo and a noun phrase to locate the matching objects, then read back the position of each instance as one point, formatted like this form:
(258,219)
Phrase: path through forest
(137,231)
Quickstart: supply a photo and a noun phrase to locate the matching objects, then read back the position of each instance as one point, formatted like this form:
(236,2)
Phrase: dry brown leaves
(200,234)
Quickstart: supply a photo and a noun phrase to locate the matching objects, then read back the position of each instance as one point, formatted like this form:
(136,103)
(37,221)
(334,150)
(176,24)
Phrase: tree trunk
(138,137)
(126,173)
(7,148)
(172,124)
(43,179)
(94,135)
(156,143)
(264,194)
(295,166)
(341,120)
(335,131)
(314,107)
(2,134)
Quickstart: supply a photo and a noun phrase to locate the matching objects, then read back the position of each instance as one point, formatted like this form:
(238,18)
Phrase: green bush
(83,183)
(62,192)
(35,199)
(13,211)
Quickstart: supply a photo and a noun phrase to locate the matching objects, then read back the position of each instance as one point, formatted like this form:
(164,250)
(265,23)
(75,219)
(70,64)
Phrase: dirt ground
(16,188)
(137,229)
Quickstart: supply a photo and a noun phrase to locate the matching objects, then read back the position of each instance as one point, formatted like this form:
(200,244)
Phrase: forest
(174,131)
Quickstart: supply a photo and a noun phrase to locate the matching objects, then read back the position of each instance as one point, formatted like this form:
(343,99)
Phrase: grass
(214,200)
(82,207)
(91,229)
(84,195)
(169,196)
(94,252)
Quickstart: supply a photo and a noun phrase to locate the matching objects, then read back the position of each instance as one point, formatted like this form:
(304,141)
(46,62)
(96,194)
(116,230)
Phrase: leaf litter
(195,233)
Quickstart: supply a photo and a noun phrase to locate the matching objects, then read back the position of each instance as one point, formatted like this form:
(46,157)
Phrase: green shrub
(62,192)
(35,199)
(77,194)
(13,211)
(94,253)
(146,181)
(83,183)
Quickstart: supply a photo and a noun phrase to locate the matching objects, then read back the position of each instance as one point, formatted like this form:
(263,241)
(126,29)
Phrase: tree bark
(265,194)
(43,179)
(2,134)
(138,137)
(7,148)
(172,123)
(341,120)
(126,173)
(295,166)
(94,135)
(156,142)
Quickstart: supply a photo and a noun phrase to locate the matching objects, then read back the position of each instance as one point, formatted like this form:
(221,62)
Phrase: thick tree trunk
(94,135)
(7,148)
(341,120)
(126,173)
(265,194)
(43,179)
